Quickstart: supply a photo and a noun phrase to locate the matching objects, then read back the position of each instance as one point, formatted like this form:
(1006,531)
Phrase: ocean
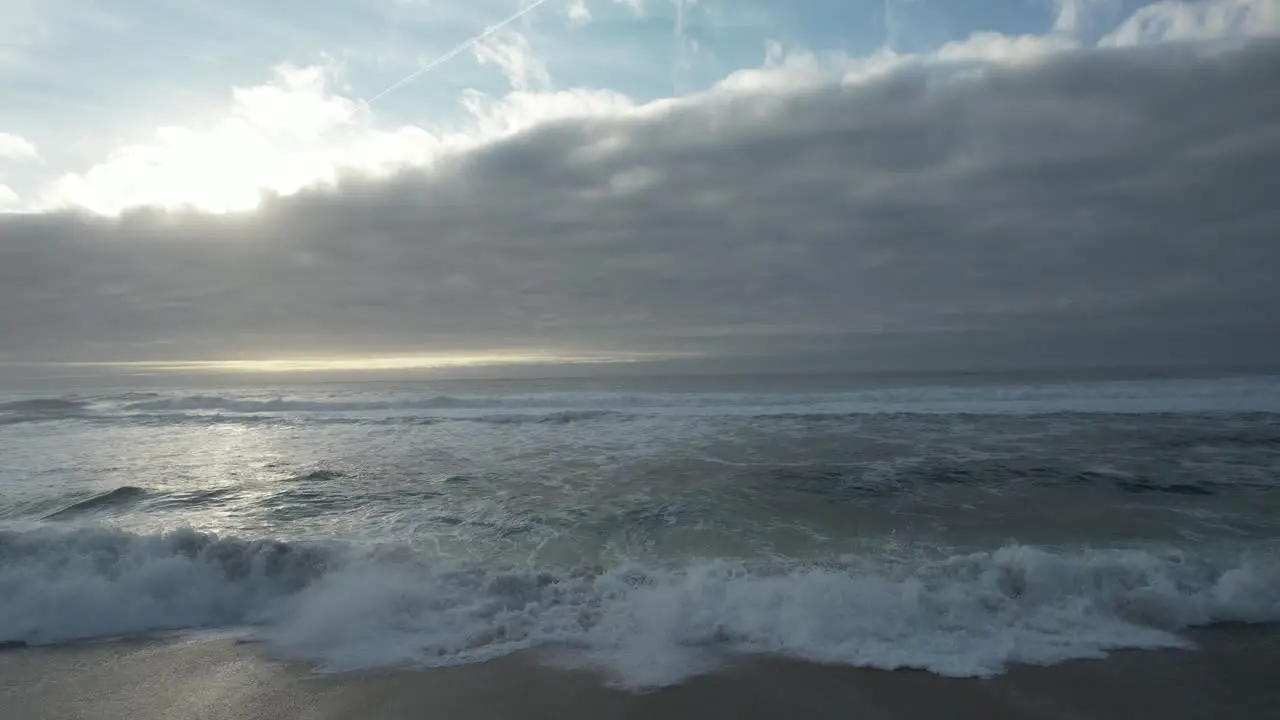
(652,529)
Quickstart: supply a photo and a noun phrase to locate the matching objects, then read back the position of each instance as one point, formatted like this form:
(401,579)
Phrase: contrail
(465,46)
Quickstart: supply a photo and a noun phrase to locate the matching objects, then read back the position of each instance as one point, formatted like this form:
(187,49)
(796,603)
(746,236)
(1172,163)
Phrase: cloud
(511,52)
(8,198)
(291,133)
(994,47)
(788,68)
(13,147)
(1178,20)
(578,12)
(282,136)
(1076,16)
(685,47)
(1075,206)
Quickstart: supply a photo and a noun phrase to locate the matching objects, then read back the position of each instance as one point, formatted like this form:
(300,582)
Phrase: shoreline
(1229,676)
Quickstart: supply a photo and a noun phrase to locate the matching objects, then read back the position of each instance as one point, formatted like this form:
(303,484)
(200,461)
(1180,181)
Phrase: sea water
(651,528)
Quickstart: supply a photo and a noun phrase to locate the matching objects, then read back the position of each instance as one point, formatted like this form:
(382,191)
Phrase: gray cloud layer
(1101,206)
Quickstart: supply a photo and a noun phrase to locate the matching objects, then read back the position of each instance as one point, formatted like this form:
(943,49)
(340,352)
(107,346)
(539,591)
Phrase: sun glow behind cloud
(306,127)
(798,184)
(293,133)
(279,137)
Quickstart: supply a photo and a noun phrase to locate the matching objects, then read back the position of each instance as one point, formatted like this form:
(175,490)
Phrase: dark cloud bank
(1100,207)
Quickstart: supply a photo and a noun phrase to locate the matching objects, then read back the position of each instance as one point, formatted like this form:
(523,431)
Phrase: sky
(829,184)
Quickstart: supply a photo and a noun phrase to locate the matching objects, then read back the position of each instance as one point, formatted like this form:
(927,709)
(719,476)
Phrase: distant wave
(1241,395)
(119,497)
(318,476)
(17,419)
(40,409)
(563,417)
(340,411)
(1259,395)
(135,499)
(43,405)
(344,607)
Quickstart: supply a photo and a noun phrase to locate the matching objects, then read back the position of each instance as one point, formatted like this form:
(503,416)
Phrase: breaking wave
(43,405)
(1234,395)
(347,607)
(38,409)
(119,497)
(1243,395)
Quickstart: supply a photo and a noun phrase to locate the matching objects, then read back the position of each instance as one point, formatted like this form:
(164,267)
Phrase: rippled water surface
(950,527)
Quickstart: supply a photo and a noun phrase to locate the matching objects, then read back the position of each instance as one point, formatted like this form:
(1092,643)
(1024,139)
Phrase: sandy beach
(1232,675)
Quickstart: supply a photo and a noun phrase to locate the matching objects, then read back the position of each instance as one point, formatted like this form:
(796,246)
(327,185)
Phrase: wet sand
(1234,674)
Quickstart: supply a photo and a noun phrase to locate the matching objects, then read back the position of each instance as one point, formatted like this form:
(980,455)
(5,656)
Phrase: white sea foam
(1251,394)
(966,615)
(1240,394)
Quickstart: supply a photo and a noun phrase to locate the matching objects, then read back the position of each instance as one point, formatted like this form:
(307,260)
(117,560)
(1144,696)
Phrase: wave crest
(346,608)
(39,409)
(43,405)
(119,497)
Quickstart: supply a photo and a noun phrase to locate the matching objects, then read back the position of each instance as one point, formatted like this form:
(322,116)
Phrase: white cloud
(785,68)
(788,68)
(295,132)
(1087,20)
(282,136)
(298,130)
(1006,49)
(1177,20)
(578,12)
(511,52)
(1068,19)
(522,110)
(1023,199)
(685,46)
(13,147)
(8,198)
(1026,184)
(1010,211)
